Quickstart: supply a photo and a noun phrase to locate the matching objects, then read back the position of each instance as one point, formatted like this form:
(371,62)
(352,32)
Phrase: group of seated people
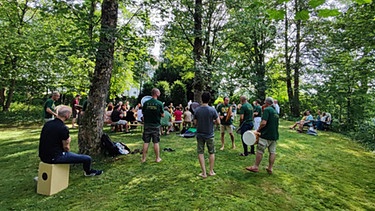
(322,121)
(122,115)
(174,118)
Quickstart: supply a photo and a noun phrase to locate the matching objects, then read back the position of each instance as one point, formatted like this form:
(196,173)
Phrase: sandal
(252,169)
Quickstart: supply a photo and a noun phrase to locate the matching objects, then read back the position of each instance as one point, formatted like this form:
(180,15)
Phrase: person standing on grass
(54,144)
(257,114)
(49,107)
(152,112)
(269,134)
(204,118)
(246,123)
(74,104)
(226,119)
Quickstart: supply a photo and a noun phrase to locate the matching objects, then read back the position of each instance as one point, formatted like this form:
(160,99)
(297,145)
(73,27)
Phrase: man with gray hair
(54,144)
(269,134)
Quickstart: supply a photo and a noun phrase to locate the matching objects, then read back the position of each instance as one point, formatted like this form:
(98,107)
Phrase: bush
(165,91)
(178,93)
(20,113)
(364,134)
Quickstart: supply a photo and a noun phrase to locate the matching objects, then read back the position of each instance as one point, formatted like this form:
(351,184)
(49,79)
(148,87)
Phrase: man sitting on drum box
(54,145)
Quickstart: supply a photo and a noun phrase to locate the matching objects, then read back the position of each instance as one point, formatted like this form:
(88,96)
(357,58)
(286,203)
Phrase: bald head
(243,99)
(155,92)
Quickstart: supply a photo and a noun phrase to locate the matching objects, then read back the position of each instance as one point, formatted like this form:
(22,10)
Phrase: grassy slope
(323,172)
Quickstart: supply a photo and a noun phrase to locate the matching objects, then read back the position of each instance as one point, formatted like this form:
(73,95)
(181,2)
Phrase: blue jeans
(244,128)
(70,157)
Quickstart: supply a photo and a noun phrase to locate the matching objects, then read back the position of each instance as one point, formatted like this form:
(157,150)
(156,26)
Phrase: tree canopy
(313,54)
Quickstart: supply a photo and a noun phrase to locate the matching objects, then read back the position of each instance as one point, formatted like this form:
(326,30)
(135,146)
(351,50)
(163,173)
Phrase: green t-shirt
(258,109)
(271,130)
(166,119)
(51,105)
(223,111)
(247,111)
(152,111)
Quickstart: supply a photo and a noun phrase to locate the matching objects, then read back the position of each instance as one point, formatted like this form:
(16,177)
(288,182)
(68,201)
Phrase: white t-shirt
(139,115)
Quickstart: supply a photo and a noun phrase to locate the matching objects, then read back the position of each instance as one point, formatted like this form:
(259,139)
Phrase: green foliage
(325,13)
(316,3)
(302,15)
(22,114)
(166,72)
(276,14)
(365,134)
(165,91)
(360,2)
(146,90)
(178,93)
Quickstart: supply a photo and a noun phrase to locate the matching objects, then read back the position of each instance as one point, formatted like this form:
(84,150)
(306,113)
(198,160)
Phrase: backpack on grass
(189,133)
(113,148)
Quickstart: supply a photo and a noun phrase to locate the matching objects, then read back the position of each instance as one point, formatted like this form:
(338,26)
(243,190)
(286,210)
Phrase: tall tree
(252,34)
(197,24)
(92,125)
(15,55)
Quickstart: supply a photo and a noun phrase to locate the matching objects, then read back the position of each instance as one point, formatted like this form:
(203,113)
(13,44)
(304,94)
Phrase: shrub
(21,113)
(364,133)
(178,93)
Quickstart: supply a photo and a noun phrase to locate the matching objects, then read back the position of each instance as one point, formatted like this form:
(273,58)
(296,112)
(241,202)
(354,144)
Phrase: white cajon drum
(52,178)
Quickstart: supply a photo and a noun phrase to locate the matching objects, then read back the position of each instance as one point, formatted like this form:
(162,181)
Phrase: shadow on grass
(323,172)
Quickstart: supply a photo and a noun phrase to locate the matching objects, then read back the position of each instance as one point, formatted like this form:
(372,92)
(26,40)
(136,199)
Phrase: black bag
(108,146)
(113,148)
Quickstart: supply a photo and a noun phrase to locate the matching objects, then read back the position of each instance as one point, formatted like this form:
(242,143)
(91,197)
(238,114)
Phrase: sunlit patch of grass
(324,172)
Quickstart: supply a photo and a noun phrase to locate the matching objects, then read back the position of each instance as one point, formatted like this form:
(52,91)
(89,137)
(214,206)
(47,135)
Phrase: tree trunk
(2,97)
(91,129)
(10,95)
(12,86)
(288,69)
(260,69)
(297,66)
(198,52)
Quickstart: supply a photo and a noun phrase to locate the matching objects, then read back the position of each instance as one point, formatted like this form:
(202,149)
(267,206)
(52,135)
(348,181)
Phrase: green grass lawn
(324,172)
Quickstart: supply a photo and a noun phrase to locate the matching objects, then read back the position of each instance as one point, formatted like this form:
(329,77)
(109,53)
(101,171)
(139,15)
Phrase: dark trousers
(245,127)
(70,157)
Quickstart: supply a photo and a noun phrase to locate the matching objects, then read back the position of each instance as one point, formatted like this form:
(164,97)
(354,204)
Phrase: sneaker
(93,172)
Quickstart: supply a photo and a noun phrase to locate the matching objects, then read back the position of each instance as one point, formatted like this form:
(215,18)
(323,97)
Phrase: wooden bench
(52,178)
(135,125)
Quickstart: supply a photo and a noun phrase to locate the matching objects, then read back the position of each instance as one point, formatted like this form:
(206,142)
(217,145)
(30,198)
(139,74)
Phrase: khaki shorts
(264,143)
(224,128)
(210,145)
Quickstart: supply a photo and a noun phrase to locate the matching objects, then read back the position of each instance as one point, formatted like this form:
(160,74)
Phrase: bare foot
(234,147)
(222,148)
(269,170)
(158,160)
(212,173)
(204,176)
(143,160)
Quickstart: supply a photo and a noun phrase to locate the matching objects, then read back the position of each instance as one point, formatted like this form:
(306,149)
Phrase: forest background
(316,54)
